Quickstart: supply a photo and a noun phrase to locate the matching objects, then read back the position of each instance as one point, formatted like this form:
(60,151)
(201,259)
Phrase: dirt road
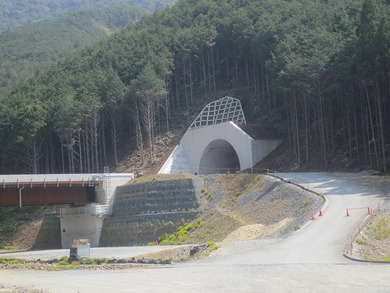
(310,260)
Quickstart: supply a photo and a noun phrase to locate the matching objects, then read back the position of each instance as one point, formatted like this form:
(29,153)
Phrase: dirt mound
(256,231)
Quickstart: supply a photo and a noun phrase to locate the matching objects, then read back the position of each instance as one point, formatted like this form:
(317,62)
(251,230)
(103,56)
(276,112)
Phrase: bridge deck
(48,189)
(50,179)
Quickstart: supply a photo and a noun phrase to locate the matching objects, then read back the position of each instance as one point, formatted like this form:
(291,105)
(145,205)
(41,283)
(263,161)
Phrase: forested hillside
(25,50)
(16,13)
(318,69)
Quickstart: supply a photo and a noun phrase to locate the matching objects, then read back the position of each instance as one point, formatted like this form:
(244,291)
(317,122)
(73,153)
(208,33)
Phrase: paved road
(108,252)
(308,261)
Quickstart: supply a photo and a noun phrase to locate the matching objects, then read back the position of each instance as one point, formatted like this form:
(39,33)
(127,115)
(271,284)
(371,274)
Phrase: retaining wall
(144,211)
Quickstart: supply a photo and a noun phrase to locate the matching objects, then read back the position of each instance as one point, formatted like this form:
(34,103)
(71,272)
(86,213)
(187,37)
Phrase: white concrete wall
(117,180)
(261,148)
(249,151)
(86,226)
(195,142)
(81,227)
(177,162)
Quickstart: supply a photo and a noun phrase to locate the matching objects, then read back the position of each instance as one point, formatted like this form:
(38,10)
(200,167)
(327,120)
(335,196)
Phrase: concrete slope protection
(310,260)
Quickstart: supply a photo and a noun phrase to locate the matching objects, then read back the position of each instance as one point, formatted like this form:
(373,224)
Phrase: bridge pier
(86,222)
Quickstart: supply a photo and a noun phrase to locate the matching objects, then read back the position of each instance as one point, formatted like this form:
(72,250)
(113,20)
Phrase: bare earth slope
(245,207)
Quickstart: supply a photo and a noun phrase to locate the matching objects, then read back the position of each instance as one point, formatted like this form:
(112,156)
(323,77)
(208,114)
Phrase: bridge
(85,199)
(219,141)
(75,189)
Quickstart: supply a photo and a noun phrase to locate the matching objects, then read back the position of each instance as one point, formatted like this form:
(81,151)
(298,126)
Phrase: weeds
(386,259)
(89,261)
(12,217)
(361,241)
(207,194)
(8,247)
(381,228)
(308,201)
(212,245)
(181,233)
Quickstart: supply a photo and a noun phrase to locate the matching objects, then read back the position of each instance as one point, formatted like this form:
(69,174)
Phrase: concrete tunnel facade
(214,143)
(217,148)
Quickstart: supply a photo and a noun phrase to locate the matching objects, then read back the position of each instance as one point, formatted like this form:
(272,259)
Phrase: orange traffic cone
(348,213)
(320,214)
(313,217)
(369,211)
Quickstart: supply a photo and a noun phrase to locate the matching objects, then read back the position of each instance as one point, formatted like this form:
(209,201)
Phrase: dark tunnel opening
(219,157)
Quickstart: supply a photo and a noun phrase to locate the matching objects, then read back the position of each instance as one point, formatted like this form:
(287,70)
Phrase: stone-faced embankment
(146,210)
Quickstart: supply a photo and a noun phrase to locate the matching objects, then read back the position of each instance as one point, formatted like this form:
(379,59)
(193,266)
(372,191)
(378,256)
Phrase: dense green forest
(16,13)
(25,50)
(319,69)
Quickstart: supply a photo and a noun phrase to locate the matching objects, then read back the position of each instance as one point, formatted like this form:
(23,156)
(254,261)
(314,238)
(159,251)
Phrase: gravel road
(310,260)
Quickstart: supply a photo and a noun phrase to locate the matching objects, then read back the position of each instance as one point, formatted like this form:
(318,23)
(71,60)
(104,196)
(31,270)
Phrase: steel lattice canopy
(222,110)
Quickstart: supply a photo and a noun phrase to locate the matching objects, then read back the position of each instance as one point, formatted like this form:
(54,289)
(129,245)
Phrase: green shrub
(12,261)
(8,247)
(181,234)
(64,257)
(212,245)
(88,261)
(361,241)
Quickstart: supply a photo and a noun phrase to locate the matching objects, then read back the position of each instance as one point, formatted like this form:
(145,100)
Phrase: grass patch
(308,201)
(8,247)
(212,245)
(207,194)
(386,259)
(89,261)
(12,217)
(181,233)
(361,241)
(381,228)
(304,210)
(161,177)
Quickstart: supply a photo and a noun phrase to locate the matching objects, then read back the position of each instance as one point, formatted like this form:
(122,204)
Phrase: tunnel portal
(219,157)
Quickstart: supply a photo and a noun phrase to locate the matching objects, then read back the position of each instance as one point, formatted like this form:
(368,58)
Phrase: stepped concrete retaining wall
(144,211)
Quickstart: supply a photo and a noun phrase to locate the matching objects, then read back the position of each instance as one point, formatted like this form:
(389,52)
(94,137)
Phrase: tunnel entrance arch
(219,156)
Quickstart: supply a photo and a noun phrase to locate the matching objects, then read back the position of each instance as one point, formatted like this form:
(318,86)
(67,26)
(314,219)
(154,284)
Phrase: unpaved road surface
(310,260)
